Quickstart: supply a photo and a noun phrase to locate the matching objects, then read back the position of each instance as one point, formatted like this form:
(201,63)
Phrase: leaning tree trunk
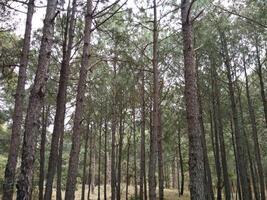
(196,159)
(58,128)
(24,184)
(76,136)
(10,171)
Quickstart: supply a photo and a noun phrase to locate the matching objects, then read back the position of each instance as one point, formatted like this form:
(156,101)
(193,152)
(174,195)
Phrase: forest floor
(170,194)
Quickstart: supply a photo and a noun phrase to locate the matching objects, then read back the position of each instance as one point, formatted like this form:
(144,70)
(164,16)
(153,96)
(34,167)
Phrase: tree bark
(255,137)
(196,159)
(121,134)
(37,93)
(181,190)
(155,121)
(76,137)
(45,115)
(17,118)
(105,160)
(58,128)
(135,165)
(218,120)
(259,72)
(240,149)
(99,159)
(86,137)
(143,129)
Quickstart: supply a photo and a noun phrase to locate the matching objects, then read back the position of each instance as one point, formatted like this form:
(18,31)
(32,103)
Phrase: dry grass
(170,194)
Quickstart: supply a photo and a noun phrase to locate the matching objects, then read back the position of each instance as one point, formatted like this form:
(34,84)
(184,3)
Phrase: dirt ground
(170,194)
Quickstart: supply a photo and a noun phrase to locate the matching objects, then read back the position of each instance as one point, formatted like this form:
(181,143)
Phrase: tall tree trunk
(113,164)
(143,129)
(17,118)
(37,93)
(208,179)
(58,129)
(218,120)
(84,178)
(160,159)
(181,162)
(238,193)
(135,165)
(59,168)
(217,155)
(174,175)
(255,137)
(105,160)
(121,134)
(259,72)
(239,139)
(91,147)
(99,159)
(93,165)
(45,115)
(113,132)
(155,121)
(127,168)
(76,136)
(249,157)
(196,159)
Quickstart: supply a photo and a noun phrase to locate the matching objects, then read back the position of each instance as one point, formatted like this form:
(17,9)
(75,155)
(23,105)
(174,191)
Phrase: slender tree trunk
(216,153)
(155,121)
(91,147)
(84,178)
(105,160)
(255,137)
(127,168)
(160,159)
(181,190)
(59,168)
(143,129)
(37,93)
(76,136)
(121,134)
(238,193)
(174,176)
(196,158)
(93,165)
(239,139)
(218,120)
(113,134)
(135,165)
(58,129)
(17,118)
(242,122)
(99,159)
(45,115)
(259,72)
(208,179)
